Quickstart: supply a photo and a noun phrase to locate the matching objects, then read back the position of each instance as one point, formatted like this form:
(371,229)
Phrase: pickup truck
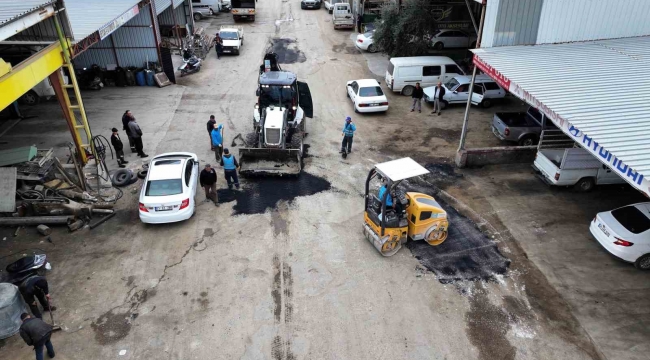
(342,16)
(232,37)
(523,128)
(329,4)
(573,167)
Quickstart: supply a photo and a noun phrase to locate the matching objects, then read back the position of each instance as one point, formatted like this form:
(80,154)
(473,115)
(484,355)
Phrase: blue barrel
(150,79)
(140,79)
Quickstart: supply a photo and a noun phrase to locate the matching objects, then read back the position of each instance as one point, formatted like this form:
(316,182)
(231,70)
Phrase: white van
(404,72)
(42,90)
(342,16)
(204,8)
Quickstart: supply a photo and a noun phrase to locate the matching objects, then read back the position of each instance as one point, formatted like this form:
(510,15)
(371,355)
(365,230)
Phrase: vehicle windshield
(452,84)
(632,219)
(276,95)
(228,35)
(369,34)
(370,91)
(164,187)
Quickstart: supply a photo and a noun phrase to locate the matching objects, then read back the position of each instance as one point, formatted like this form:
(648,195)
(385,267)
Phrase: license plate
(374,105)
(226,51)
(602,227)
(163,208)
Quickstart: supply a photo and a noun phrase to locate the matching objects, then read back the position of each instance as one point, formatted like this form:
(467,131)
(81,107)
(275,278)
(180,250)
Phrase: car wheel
(330,11)
(408,90)
(197,17)
(486,103)
(30,98)
(121,177)
(438,46)
(356,110)
(372,48)
(643,263)
(585,184)
(528,141)
(444,104)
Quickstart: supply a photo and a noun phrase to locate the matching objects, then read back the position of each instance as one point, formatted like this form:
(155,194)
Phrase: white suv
(486,91)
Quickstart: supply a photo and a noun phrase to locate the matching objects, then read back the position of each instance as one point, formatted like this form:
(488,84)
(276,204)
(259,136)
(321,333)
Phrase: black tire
(297,142)
(121,177)
(585,184)
(528,141)
(438,46)
(252,140)
(330,11)
(408,90)
(134,178)
(197,17)
(643,263)
(444,104)
(30,98)
(302,6)
(142,174)
(372,48)
(486,103)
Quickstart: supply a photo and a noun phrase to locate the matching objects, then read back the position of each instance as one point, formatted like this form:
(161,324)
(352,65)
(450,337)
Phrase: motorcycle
(191,63)
(26,266)
(90,78)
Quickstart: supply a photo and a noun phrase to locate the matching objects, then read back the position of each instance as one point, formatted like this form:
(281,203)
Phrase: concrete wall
(496,155)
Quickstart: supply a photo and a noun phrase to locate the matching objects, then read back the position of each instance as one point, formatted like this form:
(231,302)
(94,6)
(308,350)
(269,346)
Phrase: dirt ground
(281,270)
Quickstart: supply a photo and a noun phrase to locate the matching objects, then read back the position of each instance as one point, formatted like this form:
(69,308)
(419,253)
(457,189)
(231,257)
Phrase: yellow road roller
(392,217)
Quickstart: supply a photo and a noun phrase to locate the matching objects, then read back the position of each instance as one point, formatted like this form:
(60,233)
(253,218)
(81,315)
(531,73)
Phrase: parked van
(342,16)
(42,90)
(486,91)
(404,72)
(203,8)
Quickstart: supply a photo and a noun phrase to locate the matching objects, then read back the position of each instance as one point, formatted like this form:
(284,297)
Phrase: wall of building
(167,16)
(130,45)
(531,22)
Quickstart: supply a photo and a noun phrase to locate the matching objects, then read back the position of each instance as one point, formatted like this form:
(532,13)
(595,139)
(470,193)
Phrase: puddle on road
(287,51)
(259,194)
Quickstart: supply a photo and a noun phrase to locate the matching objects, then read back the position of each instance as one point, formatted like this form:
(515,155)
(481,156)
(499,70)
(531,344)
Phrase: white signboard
(119,21)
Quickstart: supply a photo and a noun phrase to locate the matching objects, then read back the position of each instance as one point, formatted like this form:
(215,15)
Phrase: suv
(486,91)
(310,4)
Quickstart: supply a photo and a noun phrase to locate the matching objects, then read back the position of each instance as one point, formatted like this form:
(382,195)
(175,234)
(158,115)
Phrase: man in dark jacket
(125,126)
(136,133)
(230,167)
(119,148)
(438,95)
(211,123)
(418,93)
(36,286)
(208,180)
(36,333)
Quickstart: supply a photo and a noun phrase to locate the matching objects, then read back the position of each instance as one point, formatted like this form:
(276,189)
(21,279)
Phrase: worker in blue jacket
(348,134)
(217,141)
(230,167)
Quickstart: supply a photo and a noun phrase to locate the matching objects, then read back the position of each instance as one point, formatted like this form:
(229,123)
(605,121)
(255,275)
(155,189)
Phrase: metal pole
(463,134)
(479,36)
(471,15)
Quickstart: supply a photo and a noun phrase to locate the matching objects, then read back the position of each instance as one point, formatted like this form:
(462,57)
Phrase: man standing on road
(230,167)
(348,134)
(210,125)
(418,93)
(217,141)
(125,126)
(438,95)
(36,333)
(136,133)
(359,25)
(36,286)
(208,180)
(218,46)
(119,148)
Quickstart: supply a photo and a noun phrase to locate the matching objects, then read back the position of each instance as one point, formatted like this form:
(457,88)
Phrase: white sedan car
(625,233)
(168,191)
(367,96)
(452,39)
(364,42)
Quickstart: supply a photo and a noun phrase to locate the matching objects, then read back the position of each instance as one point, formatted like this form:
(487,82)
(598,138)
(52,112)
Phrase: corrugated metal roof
(161,5)
(597,89)
(12,9)
(88,16)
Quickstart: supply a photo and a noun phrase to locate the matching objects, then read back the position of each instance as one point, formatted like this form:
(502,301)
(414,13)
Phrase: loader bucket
(273,162)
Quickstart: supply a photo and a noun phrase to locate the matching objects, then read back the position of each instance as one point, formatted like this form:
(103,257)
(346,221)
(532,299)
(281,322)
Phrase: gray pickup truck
(523,128)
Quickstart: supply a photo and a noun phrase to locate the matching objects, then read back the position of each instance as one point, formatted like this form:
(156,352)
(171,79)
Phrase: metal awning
(401,169)
(88,16)
(596,92)
(16,16)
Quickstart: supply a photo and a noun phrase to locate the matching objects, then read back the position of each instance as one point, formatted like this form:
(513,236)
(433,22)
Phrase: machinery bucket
(273,162)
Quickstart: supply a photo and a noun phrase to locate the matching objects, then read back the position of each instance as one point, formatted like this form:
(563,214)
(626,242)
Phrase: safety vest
(229,162)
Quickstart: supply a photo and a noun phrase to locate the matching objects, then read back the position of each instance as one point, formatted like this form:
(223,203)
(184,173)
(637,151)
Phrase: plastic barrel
(140,79)
(150,79)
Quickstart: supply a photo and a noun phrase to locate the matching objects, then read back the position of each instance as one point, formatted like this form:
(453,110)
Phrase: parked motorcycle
(191,63)
(91,79)
(26,266)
